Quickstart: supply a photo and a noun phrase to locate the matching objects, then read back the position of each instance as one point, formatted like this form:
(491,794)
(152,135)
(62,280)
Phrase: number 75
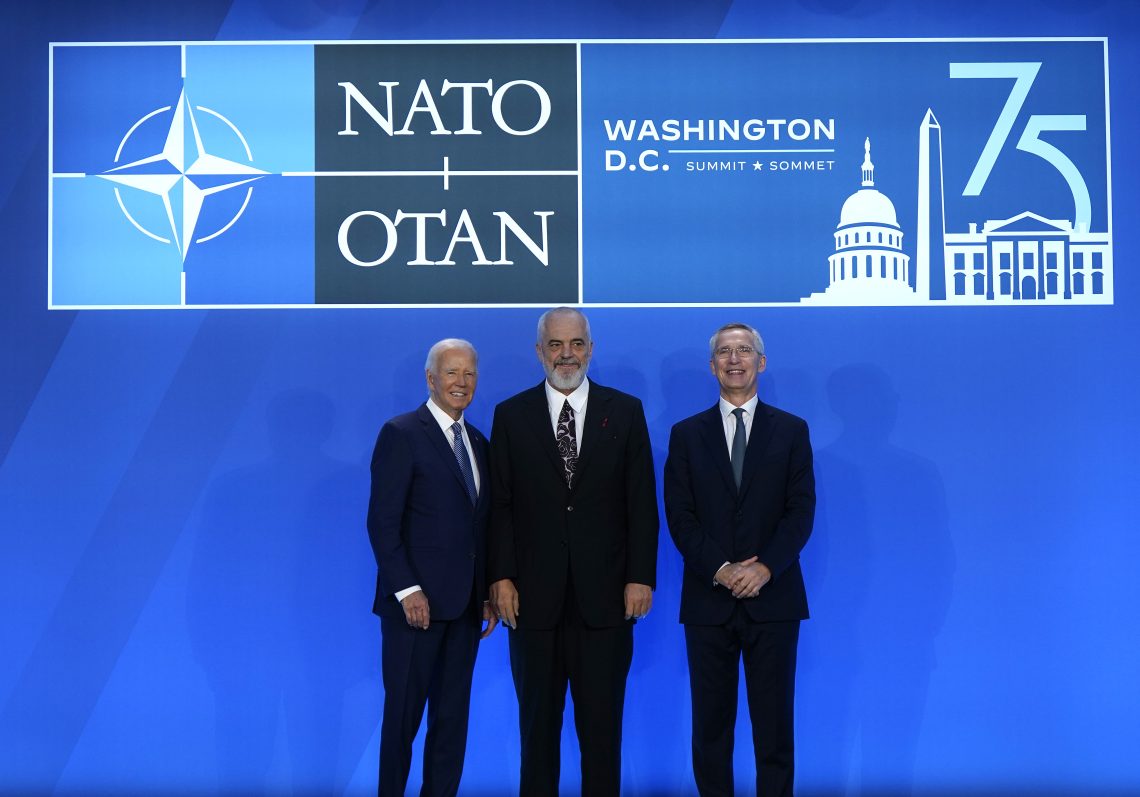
(1023,75)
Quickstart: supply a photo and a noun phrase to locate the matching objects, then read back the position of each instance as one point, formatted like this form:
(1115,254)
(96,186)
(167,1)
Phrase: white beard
(569,381)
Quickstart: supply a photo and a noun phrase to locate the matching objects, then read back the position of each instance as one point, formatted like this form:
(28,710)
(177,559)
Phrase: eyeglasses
(743,352)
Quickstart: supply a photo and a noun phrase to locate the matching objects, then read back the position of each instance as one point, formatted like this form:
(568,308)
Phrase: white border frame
(51,176)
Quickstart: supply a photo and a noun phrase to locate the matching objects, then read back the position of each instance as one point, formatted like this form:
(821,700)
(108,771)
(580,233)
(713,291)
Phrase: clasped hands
(745,579)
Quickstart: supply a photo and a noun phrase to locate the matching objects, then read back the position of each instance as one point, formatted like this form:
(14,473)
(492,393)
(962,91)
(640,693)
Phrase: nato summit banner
(814,173)
(234,228)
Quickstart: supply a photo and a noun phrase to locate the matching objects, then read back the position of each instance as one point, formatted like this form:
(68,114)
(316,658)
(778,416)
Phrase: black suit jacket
(598,535)
(422,525)
(770,516)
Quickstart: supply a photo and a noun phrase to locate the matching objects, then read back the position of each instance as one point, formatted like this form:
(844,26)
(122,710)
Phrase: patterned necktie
(739,443)
(567,445)
(464,461)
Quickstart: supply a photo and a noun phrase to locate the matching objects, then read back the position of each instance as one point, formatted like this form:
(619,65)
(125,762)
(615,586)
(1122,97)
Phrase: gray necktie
(739,444)
(464,460)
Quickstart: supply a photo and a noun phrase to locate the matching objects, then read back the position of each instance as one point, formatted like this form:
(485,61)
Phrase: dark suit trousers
(595,662)
(430,666)
(769,651)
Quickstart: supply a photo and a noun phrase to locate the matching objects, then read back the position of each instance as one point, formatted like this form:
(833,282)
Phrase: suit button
(563,543)
(471,556)
(569,509)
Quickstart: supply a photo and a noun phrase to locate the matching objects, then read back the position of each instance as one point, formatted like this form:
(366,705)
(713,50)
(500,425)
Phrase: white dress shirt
(729,420)
(445,422)
(578,400)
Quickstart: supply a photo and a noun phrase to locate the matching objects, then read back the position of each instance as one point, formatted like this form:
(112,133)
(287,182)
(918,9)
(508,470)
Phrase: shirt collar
(442,418)
(577,399)
(749,407)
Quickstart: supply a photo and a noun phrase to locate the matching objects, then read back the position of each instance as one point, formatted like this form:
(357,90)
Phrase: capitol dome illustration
(868,266)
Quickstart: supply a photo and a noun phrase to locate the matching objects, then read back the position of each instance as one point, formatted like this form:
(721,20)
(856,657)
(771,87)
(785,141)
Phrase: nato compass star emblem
(182,175)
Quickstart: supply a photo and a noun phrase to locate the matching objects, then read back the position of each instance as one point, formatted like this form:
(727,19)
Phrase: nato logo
(265,174)
(180,176)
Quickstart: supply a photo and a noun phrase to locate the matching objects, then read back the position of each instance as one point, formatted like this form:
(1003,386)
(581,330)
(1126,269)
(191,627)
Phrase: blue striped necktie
(464,461)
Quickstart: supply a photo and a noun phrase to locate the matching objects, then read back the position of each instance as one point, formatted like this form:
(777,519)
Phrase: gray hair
(447,344)
(759,345)
(542,319)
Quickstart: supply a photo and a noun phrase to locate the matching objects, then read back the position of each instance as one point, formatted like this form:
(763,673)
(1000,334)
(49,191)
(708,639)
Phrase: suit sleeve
(643,521)
(501,559)
(391,482)
(795,524)
(701,553)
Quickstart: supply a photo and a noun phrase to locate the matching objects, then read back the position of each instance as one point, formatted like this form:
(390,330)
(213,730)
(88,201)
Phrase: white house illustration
(1028,258)
(1024,258)
(868,266)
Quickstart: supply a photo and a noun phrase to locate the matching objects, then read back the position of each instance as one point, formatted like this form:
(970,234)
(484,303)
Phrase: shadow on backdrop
(280,571)
(880,569)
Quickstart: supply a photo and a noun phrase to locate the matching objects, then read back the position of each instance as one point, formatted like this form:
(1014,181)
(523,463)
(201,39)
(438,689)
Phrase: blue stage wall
(185,577)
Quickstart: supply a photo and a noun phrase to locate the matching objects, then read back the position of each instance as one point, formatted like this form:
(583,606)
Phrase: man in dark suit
(740,500)
(427,521)
(572,556)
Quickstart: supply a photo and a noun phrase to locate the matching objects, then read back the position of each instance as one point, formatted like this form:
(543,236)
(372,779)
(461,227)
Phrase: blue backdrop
(185,578)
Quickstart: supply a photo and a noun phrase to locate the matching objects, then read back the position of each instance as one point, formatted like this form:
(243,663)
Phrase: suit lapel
(538,421)
(758,440)
(597,418)
(442,445)
(479,447)
(712,431)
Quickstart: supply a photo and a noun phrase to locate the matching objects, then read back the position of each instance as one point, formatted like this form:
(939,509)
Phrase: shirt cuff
(722,567)
(406,592)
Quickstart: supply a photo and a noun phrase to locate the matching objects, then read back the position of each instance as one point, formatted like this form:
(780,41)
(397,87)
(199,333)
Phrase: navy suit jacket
(599,534)
(770,516)
(423,527)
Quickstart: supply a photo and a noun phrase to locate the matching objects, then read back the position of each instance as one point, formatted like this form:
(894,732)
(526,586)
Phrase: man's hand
(730,574)
(505,602)
(490,618)
(753,576)
(638,601)
(416,610)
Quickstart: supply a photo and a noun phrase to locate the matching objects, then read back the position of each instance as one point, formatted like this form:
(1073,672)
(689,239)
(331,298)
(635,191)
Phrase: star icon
(757,166)
(183,173)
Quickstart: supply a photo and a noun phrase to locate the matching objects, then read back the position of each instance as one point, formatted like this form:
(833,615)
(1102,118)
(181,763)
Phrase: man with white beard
(572,553)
